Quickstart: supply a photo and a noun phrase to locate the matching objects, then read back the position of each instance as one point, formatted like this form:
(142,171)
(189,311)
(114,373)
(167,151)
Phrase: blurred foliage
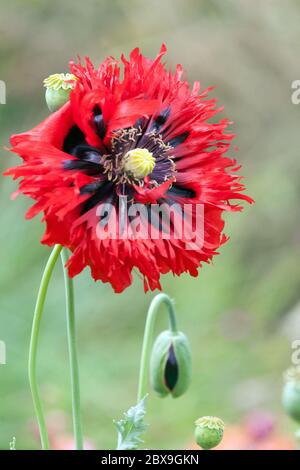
(235,310)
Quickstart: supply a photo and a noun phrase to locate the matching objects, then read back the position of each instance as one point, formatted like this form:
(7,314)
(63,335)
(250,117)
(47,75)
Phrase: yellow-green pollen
(139,163)
(60,81)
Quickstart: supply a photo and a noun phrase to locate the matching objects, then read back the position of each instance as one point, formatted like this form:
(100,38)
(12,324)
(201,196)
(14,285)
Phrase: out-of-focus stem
(39,307)
(72,345)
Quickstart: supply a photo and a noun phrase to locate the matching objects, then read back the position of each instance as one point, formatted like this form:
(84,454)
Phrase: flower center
(133,157)
(139,162)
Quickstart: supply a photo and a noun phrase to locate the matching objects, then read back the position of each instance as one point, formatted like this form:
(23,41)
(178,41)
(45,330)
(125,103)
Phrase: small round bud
(139,162)
(291,393)
(209,432)
(58,89)
(170,365)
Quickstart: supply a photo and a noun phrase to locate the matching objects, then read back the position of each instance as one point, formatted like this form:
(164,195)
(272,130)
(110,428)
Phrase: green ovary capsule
(209,432)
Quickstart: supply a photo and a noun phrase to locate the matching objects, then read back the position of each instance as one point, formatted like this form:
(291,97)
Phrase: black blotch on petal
(171,371)
(90,168)
(92,187)
(103,189)
(160,120)
(74,137)
(99,122)
(160,217)
(107,211)
(180,191)
(85,152)
(179,139)
(139,123)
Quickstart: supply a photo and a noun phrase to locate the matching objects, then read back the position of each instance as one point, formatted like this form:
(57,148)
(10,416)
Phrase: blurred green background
(241,312)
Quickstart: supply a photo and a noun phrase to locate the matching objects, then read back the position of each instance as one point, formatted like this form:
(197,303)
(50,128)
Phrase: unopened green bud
(291,393)
(58,89)
(170,365)
(209,432)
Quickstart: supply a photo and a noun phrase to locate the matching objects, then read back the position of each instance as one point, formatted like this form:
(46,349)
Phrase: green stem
(74,369)
(40,302)
(148,338)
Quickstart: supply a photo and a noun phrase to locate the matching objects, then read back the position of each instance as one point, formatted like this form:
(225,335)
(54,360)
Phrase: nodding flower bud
(291,393)
(58,89)
(170,365)
(209,432)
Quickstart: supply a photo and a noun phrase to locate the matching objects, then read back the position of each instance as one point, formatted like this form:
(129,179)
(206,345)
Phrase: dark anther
(171,369)
(99,122)
(160,120)
(179,139)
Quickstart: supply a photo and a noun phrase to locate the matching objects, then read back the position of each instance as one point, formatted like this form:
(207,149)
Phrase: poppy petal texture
(130,170)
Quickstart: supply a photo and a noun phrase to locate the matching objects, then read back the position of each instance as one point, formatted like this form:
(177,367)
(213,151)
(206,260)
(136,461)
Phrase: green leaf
(131,427)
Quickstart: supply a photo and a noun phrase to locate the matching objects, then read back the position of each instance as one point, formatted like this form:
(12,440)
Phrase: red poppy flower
(145,136)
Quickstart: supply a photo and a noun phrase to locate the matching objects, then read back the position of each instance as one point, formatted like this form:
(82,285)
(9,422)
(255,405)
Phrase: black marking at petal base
(171,371)
(99,122)
(74,137)
(105,215)
(159,217)
(179,139)
(92,187)
(104,189)
(173,205)
(90,168)
(154,218)
(160,120)
(180,191)
(83,151)
(92,156)
(140,123)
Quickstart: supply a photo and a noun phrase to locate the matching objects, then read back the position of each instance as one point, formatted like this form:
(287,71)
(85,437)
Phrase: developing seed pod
(291,393)
(209,432)
(58,89)
(170,365)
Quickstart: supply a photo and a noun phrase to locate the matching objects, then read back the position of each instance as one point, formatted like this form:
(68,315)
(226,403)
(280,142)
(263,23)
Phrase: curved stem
(148,338)
(40,302)
(74,370)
